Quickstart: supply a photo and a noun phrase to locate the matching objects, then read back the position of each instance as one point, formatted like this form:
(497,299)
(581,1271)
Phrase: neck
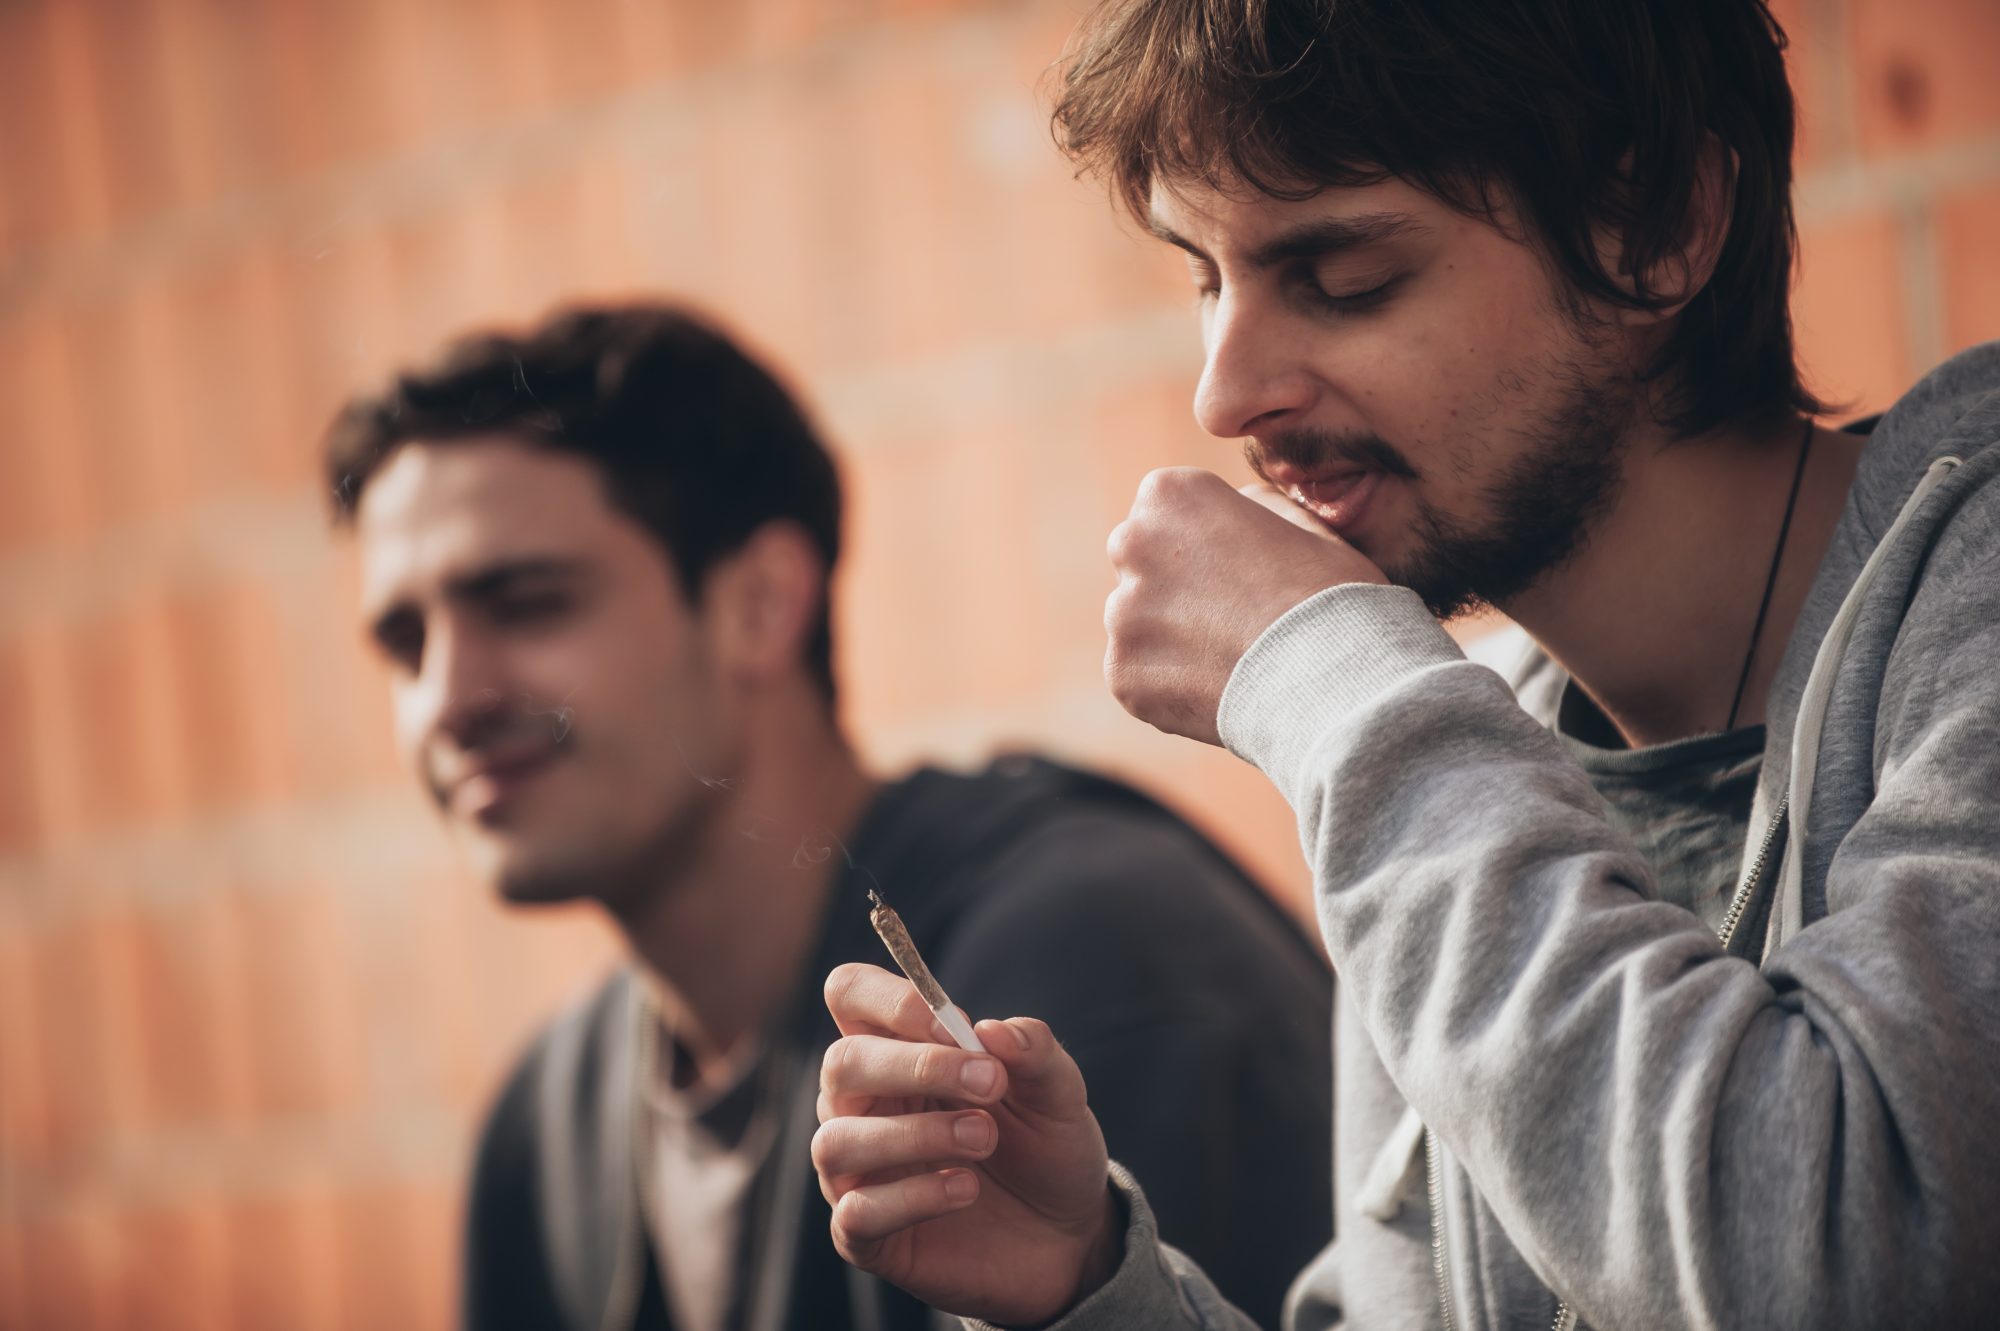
(1655,615)
(724,937)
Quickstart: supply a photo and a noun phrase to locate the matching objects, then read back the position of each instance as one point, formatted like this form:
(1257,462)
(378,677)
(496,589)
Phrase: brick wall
(248,1006)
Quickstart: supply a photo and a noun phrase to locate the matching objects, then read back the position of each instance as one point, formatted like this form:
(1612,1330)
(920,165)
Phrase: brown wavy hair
(1590,116)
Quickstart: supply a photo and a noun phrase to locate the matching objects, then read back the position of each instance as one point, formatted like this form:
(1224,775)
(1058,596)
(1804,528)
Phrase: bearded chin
(1563,479)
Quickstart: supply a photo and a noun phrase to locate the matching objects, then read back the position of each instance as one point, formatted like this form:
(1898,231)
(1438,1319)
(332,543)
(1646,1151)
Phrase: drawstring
(1788,915)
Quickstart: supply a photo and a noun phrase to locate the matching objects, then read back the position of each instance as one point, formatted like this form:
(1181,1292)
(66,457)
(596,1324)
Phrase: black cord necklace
(1771,578)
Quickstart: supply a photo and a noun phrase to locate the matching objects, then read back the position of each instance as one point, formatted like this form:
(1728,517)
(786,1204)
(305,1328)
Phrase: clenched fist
(1202,571)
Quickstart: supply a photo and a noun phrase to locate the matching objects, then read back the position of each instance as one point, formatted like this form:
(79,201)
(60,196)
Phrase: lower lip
(1338,503)
(485,795)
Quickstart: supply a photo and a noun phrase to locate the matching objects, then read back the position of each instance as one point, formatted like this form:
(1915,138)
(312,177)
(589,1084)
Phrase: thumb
(1041,1076)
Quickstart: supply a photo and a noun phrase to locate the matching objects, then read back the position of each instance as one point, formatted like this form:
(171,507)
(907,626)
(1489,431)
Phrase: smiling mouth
(485,794)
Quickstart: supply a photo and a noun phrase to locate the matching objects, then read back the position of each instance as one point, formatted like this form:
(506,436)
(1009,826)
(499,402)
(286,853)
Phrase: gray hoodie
(1798,1131)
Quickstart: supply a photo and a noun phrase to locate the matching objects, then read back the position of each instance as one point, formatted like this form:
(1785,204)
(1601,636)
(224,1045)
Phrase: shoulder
(1953,411)
(1117,909)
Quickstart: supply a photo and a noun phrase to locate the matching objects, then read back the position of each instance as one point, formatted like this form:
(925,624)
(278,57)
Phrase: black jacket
(1199,1014)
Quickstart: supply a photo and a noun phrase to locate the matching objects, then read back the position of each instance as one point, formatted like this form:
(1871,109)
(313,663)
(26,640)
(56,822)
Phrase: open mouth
(1339,500)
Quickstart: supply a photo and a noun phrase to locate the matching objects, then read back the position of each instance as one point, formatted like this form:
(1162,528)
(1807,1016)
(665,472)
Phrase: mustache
(1311,450)
(506,730)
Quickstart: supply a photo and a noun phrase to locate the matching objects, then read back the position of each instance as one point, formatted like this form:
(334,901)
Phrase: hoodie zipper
(1565,1318)
(1434,1185)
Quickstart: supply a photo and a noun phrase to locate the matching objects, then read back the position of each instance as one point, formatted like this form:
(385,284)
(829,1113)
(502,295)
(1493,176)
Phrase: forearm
(1667,1134)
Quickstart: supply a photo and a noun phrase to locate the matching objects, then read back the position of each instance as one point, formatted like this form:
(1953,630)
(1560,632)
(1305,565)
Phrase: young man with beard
(1670,976)
(596,559)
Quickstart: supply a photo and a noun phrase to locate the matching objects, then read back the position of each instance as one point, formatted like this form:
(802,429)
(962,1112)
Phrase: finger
(861,1070)
(1042,1079)
(850,1149)
(866,1216)
(867,1000)
(1285,507)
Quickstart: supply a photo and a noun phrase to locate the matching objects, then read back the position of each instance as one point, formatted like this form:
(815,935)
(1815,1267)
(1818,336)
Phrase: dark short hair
(696,441)
(1583,113)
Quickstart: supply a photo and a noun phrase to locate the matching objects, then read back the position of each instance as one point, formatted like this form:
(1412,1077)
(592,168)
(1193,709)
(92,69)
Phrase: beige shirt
(704,1144)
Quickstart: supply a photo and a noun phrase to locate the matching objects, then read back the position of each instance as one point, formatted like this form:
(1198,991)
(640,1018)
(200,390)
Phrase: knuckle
(838,1069)
(912,1013)
(929,1068)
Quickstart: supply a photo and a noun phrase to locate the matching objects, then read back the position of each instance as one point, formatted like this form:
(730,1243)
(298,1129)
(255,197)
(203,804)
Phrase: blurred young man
(1670,977)
(596,560)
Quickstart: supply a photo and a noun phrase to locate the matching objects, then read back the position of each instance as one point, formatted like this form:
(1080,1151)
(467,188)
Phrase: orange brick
(76,118)
(332,96)
(334,301)
(423,1017)
(71,1259)
(159,419)
(1136,427)
(53,706)
(1923,71)
(149,744)
(44,389)
(120,483)
(256,327)
(29,162)
(231,691)
(300,1019)
(20,521)
(78,1055)
(524,970)
(908,250)
(164,971)
(104,662)
(174,1275)
(1969,254)
(761,258)
(126,41)
(341,705)
(13,1274)
(26,1109)
(573,52)
(1848,312)
(283,1258)
(1823,126)
(18,822)
(397,1255)
(178,44)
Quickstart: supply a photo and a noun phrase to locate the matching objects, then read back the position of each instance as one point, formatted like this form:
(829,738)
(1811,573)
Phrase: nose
(1254,377)
(457,694)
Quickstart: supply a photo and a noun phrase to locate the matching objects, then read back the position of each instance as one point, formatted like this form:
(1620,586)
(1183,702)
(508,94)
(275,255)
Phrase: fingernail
(978,1076)
(960,1187)
(973,1131)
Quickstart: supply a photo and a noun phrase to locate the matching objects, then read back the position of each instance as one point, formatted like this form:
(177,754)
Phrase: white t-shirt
(704,1145)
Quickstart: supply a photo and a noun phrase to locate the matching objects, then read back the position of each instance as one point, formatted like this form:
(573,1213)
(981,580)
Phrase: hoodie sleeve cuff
(1327,656)
(1142,1292)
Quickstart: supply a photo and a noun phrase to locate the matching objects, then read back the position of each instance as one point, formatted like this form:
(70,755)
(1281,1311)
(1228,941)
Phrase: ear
(1678,276)
(761,602)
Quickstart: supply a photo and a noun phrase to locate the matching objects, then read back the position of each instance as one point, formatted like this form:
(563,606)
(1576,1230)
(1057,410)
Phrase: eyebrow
(487,584)
(1310,240)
